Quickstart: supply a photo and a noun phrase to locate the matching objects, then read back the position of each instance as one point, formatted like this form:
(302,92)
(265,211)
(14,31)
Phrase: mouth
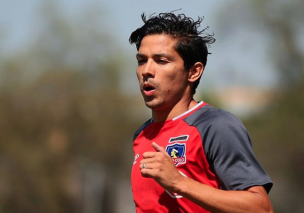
(148,89)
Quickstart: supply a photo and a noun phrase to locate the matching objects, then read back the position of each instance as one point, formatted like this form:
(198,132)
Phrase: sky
(19,20)
(18,17)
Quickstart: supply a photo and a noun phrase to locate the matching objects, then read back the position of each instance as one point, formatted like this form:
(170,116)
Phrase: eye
(162,61)
(141,61)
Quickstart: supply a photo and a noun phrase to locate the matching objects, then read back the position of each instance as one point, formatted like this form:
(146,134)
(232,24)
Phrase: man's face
(161,73)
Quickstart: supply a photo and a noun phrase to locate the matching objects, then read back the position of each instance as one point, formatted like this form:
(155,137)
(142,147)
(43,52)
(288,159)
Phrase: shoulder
(141,128)
(228,149)
(220,131)
(208,117)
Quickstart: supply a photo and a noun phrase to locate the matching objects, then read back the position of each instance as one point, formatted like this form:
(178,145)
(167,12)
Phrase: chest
(182,142)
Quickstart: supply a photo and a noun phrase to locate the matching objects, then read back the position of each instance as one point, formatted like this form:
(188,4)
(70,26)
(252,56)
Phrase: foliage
(64,121)
(277,132)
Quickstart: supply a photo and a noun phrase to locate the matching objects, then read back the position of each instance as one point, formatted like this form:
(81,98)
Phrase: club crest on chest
(177,150)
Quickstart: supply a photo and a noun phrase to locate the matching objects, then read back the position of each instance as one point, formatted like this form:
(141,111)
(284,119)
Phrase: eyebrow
(139,55)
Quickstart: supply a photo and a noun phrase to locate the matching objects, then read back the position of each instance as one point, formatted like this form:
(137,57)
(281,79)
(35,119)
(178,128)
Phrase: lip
(149,93)
(148,89)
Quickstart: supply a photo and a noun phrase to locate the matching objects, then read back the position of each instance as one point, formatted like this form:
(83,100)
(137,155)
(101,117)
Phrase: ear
(195,72)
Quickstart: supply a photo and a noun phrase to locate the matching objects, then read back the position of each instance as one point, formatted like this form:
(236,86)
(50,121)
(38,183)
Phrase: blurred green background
(69,102)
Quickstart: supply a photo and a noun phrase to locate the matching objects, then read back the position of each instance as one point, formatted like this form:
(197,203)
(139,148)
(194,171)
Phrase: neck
(176,110)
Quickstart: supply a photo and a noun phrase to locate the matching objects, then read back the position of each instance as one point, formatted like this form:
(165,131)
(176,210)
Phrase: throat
(162,115)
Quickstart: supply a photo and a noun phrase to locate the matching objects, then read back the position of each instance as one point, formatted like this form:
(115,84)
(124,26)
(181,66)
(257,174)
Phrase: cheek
(177,79)
(137,73)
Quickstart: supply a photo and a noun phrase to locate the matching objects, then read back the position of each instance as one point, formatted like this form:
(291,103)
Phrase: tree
(277,132)
(64,119)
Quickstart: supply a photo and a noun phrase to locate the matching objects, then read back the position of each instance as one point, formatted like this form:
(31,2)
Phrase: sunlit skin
(160,167)
(164,82)
(166,89)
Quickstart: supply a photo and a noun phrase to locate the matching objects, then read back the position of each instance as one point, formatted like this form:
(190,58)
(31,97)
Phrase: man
(190,157)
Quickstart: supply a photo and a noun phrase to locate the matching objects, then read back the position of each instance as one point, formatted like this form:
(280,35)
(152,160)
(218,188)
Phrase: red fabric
(148,195)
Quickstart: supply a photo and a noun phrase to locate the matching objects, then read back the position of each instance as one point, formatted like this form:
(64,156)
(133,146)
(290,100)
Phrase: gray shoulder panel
(228,149)
(141,128)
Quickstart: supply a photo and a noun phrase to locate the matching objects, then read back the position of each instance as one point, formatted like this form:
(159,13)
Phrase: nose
(148,70)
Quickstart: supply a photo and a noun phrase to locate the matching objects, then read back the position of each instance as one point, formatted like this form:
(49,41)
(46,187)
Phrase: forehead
(157,44)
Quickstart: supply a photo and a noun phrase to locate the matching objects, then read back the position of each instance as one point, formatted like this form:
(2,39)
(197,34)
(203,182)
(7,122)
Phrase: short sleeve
(228,149)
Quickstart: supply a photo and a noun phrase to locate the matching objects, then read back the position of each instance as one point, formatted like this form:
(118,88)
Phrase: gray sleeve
(228,150)
(141,128)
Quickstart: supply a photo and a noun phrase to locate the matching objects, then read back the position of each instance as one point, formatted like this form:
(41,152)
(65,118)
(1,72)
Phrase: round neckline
(184,114)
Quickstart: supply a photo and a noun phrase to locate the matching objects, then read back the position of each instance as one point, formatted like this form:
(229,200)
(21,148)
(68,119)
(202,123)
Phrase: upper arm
(227,146)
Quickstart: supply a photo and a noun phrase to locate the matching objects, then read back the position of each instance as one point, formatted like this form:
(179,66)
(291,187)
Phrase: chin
(152,104)
(157,105)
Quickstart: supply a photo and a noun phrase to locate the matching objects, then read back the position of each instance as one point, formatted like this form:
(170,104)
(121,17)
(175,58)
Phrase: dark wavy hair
(192,43)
